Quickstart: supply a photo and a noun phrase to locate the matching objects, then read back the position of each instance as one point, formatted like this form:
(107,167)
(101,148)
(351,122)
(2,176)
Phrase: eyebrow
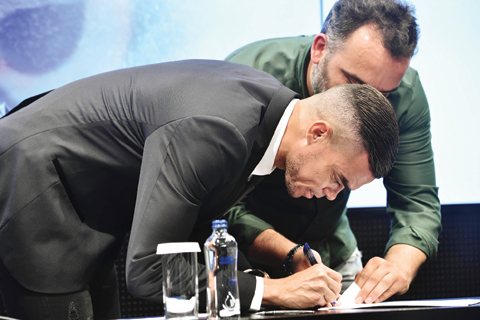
(344,181)
(360,81)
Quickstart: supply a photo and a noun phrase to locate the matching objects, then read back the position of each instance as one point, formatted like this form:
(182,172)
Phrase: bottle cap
(219,224)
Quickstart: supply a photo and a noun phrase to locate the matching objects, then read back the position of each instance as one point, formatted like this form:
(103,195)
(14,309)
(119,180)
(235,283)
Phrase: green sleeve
(412,195)
(244,226)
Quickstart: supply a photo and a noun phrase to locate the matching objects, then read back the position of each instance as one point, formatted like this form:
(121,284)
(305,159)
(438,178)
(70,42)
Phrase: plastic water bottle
(221,260)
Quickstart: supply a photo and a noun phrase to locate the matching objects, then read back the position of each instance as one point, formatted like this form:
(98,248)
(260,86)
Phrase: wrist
(407,259)
(272,292)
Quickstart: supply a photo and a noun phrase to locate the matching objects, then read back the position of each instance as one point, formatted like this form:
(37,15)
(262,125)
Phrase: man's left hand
(382,278)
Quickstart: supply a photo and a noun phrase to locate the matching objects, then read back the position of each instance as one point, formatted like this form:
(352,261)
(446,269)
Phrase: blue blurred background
(47,43)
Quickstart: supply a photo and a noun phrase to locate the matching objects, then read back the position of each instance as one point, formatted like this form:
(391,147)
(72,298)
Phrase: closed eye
(344,181)
(352,79)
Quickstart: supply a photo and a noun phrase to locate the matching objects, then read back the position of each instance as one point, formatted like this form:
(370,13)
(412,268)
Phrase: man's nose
(331,193)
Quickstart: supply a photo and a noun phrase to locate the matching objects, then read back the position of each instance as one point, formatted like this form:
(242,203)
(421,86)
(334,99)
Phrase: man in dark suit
(160,151)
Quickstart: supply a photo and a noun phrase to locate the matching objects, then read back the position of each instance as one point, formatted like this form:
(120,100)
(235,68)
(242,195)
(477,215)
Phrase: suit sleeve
(412,194)
(182,163)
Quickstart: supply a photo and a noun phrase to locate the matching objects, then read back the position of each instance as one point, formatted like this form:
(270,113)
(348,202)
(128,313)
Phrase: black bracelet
(288,259)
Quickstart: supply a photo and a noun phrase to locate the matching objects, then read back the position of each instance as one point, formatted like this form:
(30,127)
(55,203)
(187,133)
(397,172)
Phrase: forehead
(354,170)
(364,56)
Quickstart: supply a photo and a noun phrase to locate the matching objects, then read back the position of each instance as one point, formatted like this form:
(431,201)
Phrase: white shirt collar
(266,165)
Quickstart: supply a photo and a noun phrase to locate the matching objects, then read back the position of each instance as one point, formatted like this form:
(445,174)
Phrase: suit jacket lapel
(266,129)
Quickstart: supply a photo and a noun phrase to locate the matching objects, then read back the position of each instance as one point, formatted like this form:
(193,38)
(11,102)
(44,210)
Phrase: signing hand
(316,286)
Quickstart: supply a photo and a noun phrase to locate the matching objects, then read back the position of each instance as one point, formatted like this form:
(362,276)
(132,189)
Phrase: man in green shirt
(361,42)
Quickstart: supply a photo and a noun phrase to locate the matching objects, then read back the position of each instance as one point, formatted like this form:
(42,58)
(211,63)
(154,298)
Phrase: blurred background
(45,44)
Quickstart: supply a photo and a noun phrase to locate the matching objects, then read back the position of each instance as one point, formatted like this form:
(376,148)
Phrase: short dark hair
(362,119)
(378,127)
(393,18)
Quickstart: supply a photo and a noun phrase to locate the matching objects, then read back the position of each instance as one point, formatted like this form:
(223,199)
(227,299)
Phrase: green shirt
(412,195)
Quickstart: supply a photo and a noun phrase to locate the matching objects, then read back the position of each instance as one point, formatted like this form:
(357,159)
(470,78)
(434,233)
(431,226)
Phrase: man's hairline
(340,42)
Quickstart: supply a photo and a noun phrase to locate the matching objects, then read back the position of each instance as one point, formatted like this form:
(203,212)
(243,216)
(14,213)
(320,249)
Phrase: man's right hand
(315,286)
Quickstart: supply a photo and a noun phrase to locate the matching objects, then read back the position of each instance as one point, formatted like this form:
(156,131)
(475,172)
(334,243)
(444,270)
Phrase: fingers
(328,282)
(373,289)
(336,276)
(331,278)
(313,287)
(333,304)
(379,280)
(317,256)
(300,262)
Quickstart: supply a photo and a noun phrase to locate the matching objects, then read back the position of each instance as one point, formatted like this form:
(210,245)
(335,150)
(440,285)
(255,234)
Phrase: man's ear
(319,48)
(319,131)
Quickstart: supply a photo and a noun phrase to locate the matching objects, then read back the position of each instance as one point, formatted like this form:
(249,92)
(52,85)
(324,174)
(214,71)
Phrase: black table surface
(374,313)
(391,313)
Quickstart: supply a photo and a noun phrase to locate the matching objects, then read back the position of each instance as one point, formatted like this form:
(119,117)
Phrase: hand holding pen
(308,287)
(308,252)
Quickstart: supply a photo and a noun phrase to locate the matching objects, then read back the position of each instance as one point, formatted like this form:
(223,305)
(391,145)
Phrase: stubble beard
(292,167)
(319,76)
(291,170)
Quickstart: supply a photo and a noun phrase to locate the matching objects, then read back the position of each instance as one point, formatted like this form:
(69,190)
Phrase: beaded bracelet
(288,259)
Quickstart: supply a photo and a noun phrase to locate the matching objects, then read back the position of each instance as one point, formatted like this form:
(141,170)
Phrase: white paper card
(348,297)
(348,302)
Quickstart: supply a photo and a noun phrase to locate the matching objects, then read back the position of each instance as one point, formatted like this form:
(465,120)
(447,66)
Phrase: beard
(292,168)
(319,76)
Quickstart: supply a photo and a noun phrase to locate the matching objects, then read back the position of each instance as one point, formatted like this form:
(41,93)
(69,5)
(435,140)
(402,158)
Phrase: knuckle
(375,278)
(318,300)
(363,275)
(378,260)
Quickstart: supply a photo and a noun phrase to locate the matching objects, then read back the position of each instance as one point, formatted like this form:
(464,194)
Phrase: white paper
(348,297)
(348,302)
(412,303)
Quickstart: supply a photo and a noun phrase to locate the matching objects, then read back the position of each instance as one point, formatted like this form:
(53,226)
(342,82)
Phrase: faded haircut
(363,119)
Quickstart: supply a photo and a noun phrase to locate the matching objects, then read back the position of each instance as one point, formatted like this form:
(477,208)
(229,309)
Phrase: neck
(289,137)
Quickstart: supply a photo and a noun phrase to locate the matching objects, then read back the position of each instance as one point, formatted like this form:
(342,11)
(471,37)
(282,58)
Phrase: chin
(294,193)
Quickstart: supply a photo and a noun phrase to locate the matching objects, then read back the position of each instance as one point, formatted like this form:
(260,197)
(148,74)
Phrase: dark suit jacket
(158,150)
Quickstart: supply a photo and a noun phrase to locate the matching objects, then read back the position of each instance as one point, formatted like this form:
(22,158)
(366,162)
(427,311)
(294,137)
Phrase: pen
(309,254)
(279,312)
(311,258)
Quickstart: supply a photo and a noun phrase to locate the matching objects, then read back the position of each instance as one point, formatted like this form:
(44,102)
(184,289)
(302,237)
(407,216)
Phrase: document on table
(348,302)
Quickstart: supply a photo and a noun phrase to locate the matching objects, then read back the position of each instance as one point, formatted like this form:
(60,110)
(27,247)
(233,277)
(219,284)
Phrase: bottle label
(227,260)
